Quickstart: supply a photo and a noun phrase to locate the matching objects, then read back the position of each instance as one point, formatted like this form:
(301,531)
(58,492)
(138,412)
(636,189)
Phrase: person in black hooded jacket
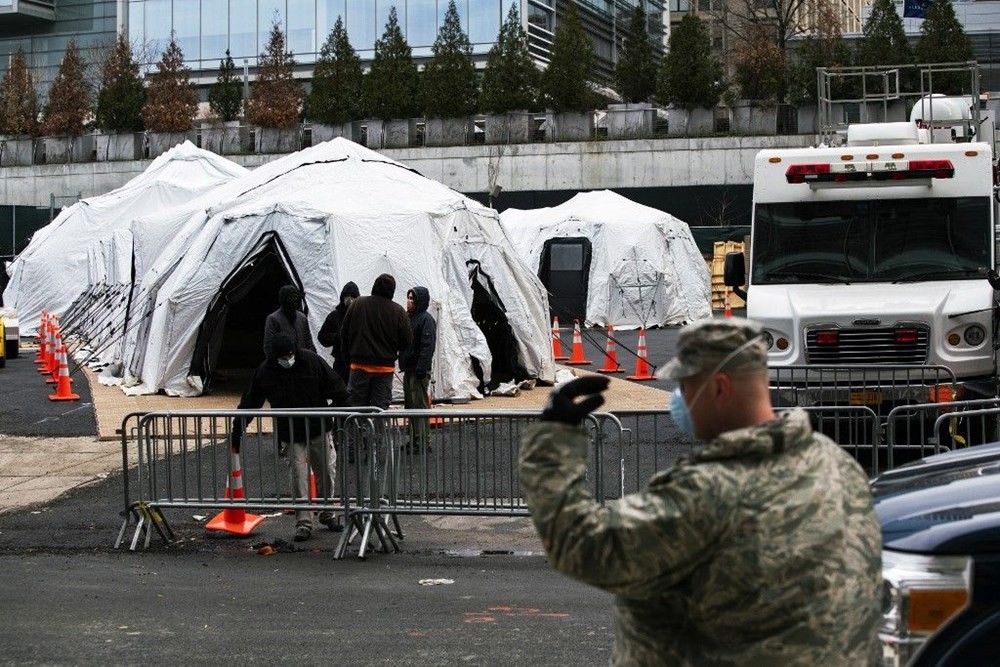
(375,332)
(288,320)
(295,378)
(329,333)
(416,361)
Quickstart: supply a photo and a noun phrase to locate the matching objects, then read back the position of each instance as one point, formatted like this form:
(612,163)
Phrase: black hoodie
(288,320)
(376,329)
(329,333)
(421,353)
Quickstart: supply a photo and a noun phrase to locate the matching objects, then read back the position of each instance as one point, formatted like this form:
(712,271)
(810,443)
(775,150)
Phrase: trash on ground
(435,582)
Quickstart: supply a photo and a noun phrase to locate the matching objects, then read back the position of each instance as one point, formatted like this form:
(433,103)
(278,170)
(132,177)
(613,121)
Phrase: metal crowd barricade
(441,462)
(855,428)
(914,430)
(648,443)
(183,462)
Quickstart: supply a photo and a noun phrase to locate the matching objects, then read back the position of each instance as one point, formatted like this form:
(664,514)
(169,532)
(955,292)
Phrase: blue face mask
(680,414)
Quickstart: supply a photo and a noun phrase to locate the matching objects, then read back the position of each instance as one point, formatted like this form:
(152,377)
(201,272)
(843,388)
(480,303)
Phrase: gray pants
(300,457)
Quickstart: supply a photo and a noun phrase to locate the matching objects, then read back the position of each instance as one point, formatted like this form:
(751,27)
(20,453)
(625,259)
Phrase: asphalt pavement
(70,597)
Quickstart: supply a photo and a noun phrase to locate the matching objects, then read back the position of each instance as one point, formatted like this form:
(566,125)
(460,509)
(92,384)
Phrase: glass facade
(91,23)
(205,29)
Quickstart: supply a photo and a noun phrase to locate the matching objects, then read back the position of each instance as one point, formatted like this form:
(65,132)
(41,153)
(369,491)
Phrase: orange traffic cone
(729,307)
(236,520)
(60,358)
(557,352)
(42,337)
(577,359)
(312,486)
(641,362)
(63,390)
(49,362)
(611,354)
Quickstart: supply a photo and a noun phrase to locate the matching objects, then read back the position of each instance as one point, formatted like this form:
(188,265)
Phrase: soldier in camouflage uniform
(760,548)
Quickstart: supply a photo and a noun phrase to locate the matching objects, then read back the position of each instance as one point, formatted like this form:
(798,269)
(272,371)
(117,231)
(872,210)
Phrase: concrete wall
(592,165)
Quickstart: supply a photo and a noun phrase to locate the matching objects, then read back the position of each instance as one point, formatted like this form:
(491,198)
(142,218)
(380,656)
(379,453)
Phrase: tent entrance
(489,314)
(230,340)
(565,272)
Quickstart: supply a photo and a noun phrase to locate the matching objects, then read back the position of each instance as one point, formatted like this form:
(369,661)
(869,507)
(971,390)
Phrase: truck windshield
(893,240)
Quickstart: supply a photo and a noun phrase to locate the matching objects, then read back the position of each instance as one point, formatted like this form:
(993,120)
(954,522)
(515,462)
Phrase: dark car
(940,521)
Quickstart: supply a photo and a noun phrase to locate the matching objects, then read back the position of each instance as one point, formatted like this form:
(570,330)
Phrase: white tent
(631,265)
(329,214)
(54,269)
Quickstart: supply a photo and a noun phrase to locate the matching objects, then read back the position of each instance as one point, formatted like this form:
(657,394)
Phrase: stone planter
(16,151)
(321,133)
(270,140)
(60,150)
(399,133)
(448,131)
(508,128)
(159,143)
(630,121)
(808,119)
(569,125)
(225,137)
(701,121)
(754,120)
(113,147)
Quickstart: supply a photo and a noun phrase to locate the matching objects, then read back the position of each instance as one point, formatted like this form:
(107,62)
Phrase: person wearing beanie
(293,377)
(375,332)
(329,333)
(289,320)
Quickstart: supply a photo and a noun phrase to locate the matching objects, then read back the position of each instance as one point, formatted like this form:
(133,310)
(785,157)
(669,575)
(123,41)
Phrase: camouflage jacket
(762,548)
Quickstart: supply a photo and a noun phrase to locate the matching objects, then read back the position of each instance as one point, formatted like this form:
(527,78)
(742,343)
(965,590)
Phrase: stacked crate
(718,265)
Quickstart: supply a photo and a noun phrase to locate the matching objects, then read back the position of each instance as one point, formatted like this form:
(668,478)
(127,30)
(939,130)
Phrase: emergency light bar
(880,170)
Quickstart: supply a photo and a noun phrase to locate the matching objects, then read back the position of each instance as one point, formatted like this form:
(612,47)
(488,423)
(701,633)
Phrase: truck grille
(876,345)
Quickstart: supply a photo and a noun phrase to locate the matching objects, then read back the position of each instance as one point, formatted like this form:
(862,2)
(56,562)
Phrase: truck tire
(11,349)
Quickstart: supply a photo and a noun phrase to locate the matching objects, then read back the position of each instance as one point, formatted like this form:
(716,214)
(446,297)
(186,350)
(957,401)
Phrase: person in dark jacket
(329,333)
(289,320)
(375,332)
(296,378)
(416,361)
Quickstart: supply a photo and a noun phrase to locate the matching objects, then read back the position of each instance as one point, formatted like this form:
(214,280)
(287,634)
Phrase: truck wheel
(11,349)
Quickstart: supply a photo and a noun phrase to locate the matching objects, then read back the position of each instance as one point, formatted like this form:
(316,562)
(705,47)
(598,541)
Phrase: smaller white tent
(55,268)
(637,266)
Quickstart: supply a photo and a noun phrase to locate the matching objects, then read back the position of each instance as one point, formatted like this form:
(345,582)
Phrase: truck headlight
(975,335)
(920,595)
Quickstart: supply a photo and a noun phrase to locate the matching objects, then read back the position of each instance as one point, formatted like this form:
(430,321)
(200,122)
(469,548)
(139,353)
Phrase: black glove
(235,440)
(562,406)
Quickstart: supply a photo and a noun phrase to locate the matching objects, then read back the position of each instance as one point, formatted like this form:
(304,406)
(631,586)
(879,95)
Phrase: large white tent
(55,268)
(329,214)
(635,266)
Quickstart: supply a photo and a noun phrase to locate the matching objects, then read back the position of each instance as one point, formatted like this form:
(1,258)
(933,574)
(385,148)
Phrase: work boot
(332,523)
(302,533)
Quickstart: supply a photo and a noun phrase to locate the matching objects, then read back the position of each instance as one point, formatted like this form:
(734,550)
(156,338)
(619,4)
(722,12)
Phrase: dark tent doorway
(490,315)
(565,271)
(230,340)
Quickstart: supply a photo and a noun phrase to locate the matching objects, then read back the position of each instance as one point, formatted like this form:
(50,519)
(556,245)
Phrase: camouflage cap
(733,343)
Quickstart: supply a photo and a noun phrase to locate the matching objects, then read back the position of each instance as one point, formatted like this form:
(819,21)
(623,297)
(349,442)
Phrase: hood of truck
(948,503)
(787,310)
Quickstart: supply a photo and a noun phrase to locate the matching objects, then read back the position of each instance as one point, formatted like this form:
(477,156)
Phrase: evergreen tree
(510,81)
(275,97)
(171,100)
(690,76)
(18,99)
(565,82)
(225,97)
(635,73)
(122,95)
(818,51)
(337,81)
(884,43)
(392,86)
(942,40)
(69,97)
(451,88)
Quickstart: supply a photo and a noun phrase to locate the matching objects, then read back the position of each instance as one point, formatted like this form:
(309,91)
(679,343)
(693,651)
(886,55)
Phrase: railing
(459,462)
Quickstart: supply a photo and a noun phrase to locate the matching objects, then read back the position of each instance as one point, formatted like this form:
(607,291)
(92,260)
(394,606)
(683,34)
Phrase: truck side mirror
(993,278)
(734,273)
